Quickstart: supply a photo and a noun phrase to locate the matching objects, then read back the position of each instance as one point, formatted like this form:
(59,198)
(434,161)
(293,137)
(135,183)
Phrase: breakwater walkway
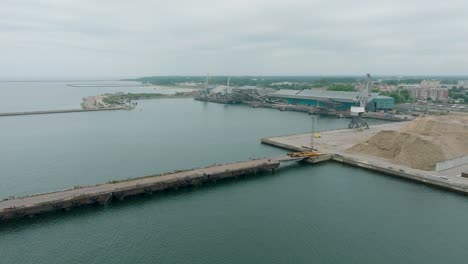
(62,111)
(104,193)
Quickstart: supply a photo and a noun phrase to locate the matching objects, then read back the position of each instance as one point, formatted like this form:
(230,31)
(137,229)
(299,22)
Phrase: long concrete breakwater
(104,193)
(45,112)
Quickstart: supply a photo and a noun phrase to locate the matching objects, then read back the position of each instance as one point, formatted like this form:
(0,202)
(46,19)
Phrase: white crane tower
(357,111)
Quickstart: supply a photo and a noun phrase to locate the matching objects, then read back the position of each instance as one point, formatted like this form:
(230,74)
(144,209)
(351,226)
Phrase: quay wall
(101,194)
(433,181)
(271,142)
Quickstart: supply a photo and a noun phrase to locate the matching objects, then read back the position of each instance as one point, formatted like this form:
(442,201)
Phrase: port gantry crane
(356,111)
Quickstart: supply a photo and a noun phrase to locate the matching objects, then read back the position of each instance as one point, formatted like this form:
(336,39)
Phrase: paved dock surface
(41,203)
(335,143)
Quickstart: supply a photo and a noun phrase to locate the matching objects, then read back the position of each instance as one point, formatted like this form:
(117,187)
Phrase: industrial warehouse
(328,101)
(341,101)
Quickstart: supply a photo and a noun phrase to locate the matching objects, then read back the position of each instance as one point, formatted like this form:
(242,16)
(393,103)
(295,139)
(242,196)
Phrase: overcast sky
(47,39)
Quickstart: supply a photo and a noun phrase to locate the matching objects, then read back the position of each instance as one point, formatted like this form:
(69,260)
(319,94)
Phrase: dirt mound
(421,143)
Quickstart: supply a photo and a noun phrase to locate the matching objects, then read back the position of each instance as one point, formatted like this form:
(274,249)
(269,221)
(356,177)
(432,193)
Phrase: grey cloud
(233,37)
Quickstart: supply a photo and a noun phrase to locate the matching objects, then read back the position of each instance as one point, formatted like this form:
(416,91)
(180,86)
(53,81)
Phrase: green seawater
(327,213)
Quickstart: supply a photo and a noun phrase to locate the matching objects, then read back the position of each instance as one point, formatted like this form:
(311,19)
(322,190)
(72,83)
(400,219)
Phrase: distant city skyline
(85,40)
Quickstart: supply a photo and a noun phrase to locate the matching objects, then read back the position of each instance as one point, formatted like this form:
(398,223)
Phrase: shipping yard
(308,101)
(331,162)
(431,149)
(209,132)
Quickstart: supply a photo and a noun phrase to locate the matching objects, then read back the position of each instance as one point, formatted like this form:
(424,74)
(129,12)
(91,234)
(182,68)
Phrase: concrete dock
(104,193)
(334,144)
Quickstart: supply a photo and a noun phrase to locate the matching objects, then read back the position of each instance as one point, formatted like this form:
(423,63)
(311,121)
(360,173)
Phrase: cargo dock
(333,144)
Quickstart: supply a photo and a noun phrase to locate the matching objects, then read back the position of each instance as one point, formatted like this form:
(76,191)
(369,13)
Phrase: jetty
(118,190)
(118,101)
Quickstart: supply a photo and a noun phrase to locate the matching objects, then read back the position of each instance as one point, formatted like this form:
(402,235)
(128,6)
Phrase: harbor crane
(205,92)
(356,111)
(226,90)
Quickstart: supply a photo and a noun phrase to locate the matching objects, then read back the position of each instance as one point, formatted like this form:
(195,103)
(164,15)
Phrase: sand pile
(421,143)
(435,125)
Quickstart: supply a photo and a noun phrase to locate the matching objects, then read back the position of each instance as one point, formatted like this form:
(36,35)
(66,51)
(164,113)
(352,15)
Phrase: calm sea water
(328,213)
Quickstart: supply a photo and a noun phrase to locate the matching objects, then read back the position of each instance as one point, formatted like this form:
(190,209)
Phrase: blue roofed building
(341,101)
